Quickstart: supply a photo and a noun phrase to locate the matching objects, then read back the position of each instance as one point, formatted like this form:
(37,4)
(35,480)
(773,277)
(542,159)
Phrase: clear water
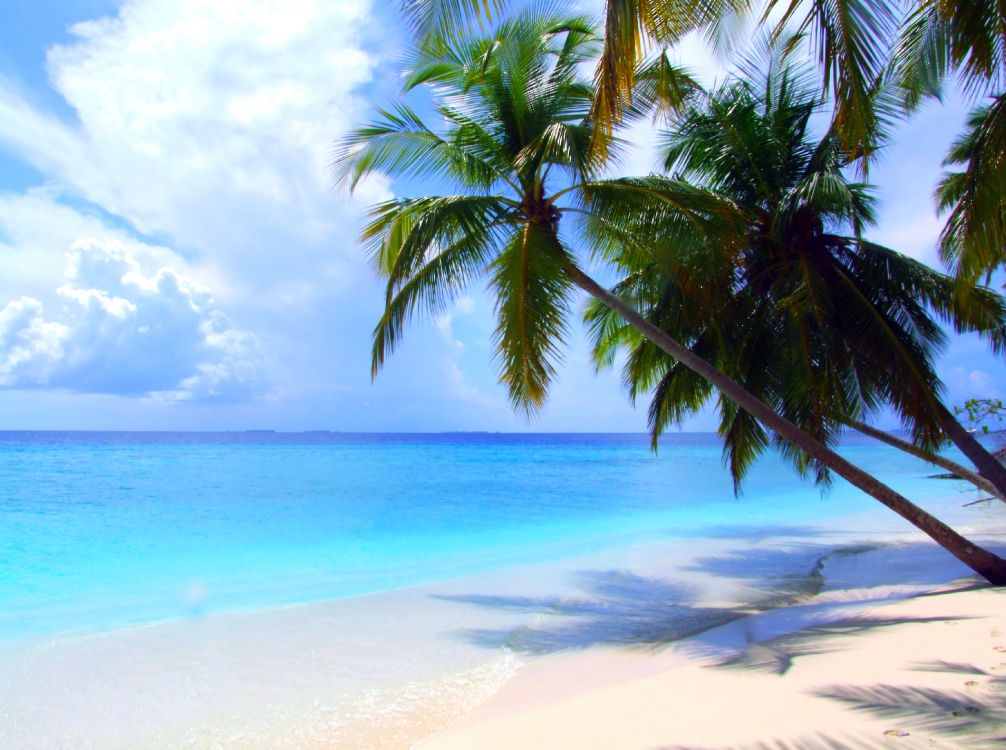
(105,530)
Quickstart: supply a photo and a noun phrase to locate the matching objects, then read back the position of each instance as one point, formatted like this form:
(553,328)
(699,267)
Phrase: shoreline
(393,669)
(881,632)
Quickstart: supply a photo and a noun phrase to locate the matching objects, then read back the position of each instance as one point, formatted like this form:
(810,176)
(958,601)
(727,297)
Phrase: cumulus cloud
(120,331)
(972,382)
(198,136)
(210,123)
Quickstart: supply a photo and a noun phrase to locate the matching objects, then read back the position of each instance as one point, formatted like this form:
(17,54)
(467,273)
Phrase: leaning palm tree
(858,43)
(516,138)
(804,311)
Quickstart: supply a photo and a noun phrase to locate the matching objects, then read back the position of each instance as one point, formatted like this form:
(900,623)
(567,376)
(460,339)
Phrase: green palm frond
(432,288)
(400,143)
(402,233)
(436,19)
(661,87)
(532,313)
(628,25)
(637,216)
(973,240)
(679,394)
(966,38)
(852,39)
(979,310)
(608,332)
(922,54)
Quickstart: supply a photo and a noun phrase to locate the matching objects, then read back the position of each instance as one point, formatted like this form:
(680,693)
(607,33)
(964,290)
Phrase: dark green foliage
(759,264)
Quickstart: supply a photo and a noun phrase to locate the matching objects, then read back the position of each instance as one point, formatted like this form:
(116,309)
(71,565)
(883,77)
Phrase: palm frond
(531,309)
(400,144)
(973,239)
(852,39)
(432,288)
(403,232)
(628,25)
(437,19)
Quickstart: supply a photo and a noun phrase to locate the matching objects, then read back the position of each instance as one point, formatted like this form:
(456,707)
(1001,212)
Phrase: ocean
(100,531)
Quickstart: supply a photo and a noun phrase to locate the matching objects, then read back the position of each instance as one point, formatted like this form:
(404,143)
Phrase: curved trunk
(934,458)
(985,563)
(987,464)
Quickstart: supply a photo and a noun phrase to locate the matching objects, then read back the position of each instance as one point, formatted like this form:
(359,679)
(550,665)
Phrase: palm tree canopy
(973,239)
(939,37)
(516,143)
(851,39)
(968,39)
(797,306)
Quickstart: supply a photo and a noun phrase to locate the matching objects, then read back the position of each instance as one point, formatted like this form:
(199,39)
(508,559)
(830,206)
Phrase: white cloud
(37,230)
(445,324)
(210,123)
(30,347)
(123,332)
(969,382)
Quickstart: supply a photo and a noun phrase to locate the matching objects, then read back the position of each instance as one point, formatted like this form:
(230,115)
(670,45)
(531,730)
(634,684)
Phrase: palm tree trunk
(987,464)
(934,458)
(985,563)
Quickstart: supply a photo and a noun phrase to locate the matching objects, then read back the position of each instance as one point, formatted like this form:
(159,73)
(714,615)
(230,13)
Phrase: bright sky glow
(174,258)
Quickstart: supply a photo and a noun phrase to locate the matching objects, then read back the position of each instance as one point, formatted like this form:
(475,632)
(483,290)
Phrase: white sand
(863,669)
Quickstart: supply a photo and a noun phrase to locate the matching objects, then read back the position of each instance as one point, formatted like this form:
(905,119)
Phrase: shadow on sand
(622,607)
(617,607)
(613,606)
(972,717)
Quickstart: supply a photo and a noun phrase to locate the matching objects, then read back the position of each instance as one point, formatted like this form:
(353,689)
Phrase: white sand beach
(858,632)
(862,671)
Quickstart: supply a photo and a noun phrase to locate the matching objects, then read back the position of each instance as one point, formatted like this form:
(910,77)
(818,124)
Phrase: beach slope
(863,669)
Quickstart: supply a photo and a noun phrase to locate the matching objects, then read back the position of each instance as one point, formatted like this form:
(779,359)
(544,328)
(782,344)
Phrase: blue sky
(174,257)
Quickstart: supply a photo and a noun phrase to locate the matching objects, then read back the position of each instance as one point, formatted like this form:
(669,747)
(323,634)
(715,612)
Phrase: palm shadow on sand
(973,716)
(612,606)
(615,607)
(622,607)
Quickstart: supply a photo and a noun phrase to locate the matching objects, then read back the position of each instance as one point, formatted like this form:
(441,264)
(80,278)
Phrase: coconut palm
(973,240)
(968,40)
(858,43)
(799,308)
(516,139)
(852,39)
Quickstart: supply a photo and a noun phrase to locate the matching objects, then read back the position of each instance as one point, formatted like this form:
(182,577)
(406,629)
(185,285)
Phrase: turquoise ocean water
(106,530)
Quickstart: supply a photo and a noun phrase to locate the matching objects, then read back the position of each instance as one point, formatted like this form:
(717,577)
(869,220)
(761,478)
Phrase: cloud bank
(122,332)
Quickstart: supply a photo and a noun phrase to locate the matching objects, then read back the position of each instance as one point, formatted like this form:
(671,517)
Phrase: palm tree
(967,39)
(516,139)
(973,240)
(819,323)
(858,43)
(936,459)
(852,39)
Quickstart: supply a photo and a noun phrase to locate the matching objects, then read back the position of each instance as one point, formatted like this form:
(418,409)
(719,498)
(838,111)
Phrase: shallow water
(105,530)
